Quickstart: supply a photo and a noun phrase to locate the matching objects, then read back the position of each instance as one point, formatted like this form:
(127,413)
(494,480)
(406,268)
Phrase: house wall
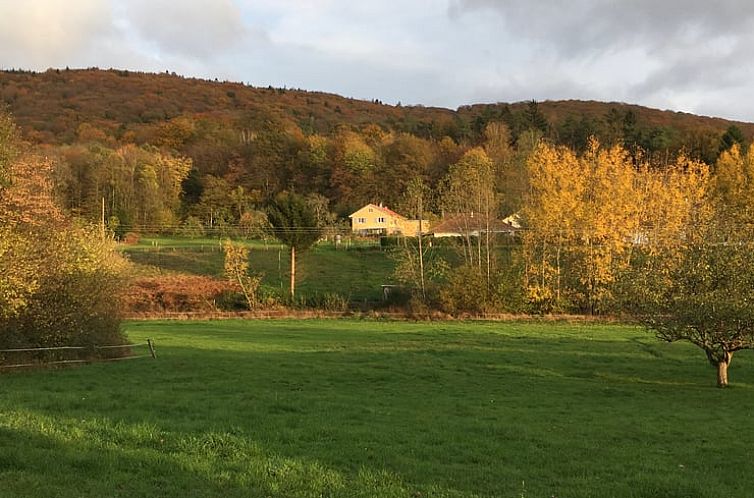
(411,227)
(372,219)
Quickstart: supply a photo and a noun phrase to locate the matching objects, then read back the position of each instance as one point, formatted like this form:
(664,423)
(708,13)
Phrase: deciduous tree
(237,271)
(582,213)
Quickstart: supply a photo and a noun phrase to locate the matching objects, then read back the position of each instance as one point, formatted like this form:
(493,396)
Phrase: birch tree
(469,197)
(582,213)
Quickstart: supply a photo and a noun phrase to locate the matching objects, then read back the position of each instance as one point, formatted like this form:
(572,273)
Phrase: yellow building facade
(374,219)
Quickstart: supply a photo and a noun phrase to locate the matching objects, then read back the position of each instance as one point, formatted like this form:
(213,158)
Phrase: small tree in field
(294,223)
(707,299)
(237,271)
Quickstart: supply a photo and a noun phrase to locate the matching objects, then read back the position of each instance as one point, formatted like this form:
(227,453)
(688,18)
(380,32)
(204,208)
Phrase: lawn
(372,408)
(355,273)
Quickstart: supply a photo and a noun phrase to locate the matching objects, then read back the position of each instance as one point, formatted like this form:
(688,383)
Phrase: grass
(360,408)
(356,274)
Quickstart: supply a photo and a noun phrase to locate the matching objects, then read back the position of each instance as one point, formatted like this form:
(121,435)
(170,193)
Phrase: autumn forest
(160,148)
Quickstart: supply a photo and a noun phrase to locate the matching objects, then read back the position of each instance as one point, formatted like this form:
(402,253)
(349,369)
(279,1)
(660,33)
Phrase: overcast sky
(687,55)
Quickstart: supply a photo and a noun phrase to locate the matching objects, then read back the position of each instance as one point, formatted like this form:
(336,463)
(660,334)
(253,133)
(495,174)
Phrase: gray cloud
(669,54)
(576,27)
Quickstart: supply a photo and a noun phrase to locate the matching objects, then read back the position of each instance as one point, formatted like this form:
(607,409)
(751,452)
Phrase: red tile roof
(460,223)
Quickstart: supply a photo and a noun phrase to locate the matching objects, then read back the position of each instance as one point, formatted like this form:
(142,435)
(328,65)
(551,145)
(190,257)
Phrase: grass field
(356,274)
(382,409)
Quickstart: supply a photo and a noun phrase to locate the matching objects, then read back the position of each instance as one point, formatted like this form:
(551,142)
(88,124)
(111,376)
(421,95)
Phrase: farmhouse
(461,225)
(374,219)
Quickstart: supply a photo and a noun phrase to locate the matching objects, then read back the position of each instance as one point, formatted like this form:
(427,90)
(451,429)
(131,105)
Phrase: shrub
(466,291)
(270,297)
(75,301)
(237,272)
(389,241)
(192,227)
(397,296)
(332,301)
(131,238)
(328,301)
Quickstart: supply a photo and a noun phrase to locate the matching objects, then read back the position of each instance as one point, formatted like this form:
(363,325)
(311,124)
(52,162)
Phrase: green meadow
(345,408)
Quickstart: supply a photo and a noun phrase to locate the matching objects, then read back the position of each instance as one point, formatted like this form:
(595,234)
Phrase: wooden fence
(90,349)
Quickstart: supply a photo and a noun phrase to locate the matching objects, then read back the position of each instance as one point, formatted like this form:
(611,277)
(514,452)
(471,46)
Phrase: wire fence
(66,355)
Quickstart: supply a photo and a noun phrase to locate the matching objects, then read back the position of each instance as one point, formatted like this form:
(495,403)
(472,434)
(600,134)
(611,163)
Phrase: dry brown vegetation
(176,294)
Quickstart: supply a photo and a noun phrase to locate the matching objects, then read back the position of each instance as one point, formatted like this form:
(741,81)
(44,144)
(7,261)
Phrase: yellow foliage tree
(582,214)
(733,185)
(586,216)
(553,210)
(237,271)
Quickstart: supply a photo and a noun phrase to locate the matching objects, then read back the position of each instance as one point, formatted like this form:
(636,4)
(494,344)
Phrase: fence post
(151,348)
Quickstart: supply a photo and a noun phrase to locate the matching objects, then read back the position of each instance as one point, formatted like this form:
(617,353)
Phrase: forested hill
(163,150)
(50,106)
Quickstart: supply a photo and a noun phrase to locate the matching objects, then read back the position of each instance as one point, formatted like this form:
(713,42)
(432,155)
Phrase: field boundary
(149,344)
(288,314)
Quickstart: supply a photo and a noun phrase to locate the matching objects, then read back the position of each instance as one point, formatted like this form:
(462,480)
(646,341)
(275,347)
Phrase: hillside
(50,107)
(557,111)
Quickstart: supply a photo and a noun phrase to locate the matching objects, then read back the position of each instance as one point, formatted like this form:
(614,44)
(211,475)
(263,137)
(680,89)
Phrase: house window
(380,220)
(371,210)
(361,220)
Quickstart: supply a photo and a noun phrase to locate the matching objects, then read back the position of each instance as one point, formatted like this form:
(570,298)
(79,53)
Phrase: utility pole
(420,208)
(102,220)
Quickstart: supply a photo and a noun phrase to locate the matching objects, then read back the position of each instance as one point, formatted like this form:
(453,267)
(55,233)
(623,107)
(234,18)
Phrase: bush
(390,241)
(270,297)
(329,301)
(79,278)
(467,291)
(192,227)
(398,296)
(332,301)
(131,238)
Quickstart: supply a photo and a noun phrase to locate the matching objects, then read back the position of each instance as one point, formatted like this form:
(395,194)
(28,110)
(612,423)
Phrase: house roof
(514,220)
(383,209)
(461,223)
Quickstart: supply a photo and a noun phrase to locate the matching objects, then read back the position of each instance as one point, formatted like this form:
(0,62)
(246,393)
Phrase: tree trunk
(722,370)
(293,273)
(249,301)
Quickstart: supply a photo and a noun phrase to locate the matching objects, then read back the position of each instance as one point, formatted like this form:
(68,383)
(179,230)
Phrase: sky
(686,55)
